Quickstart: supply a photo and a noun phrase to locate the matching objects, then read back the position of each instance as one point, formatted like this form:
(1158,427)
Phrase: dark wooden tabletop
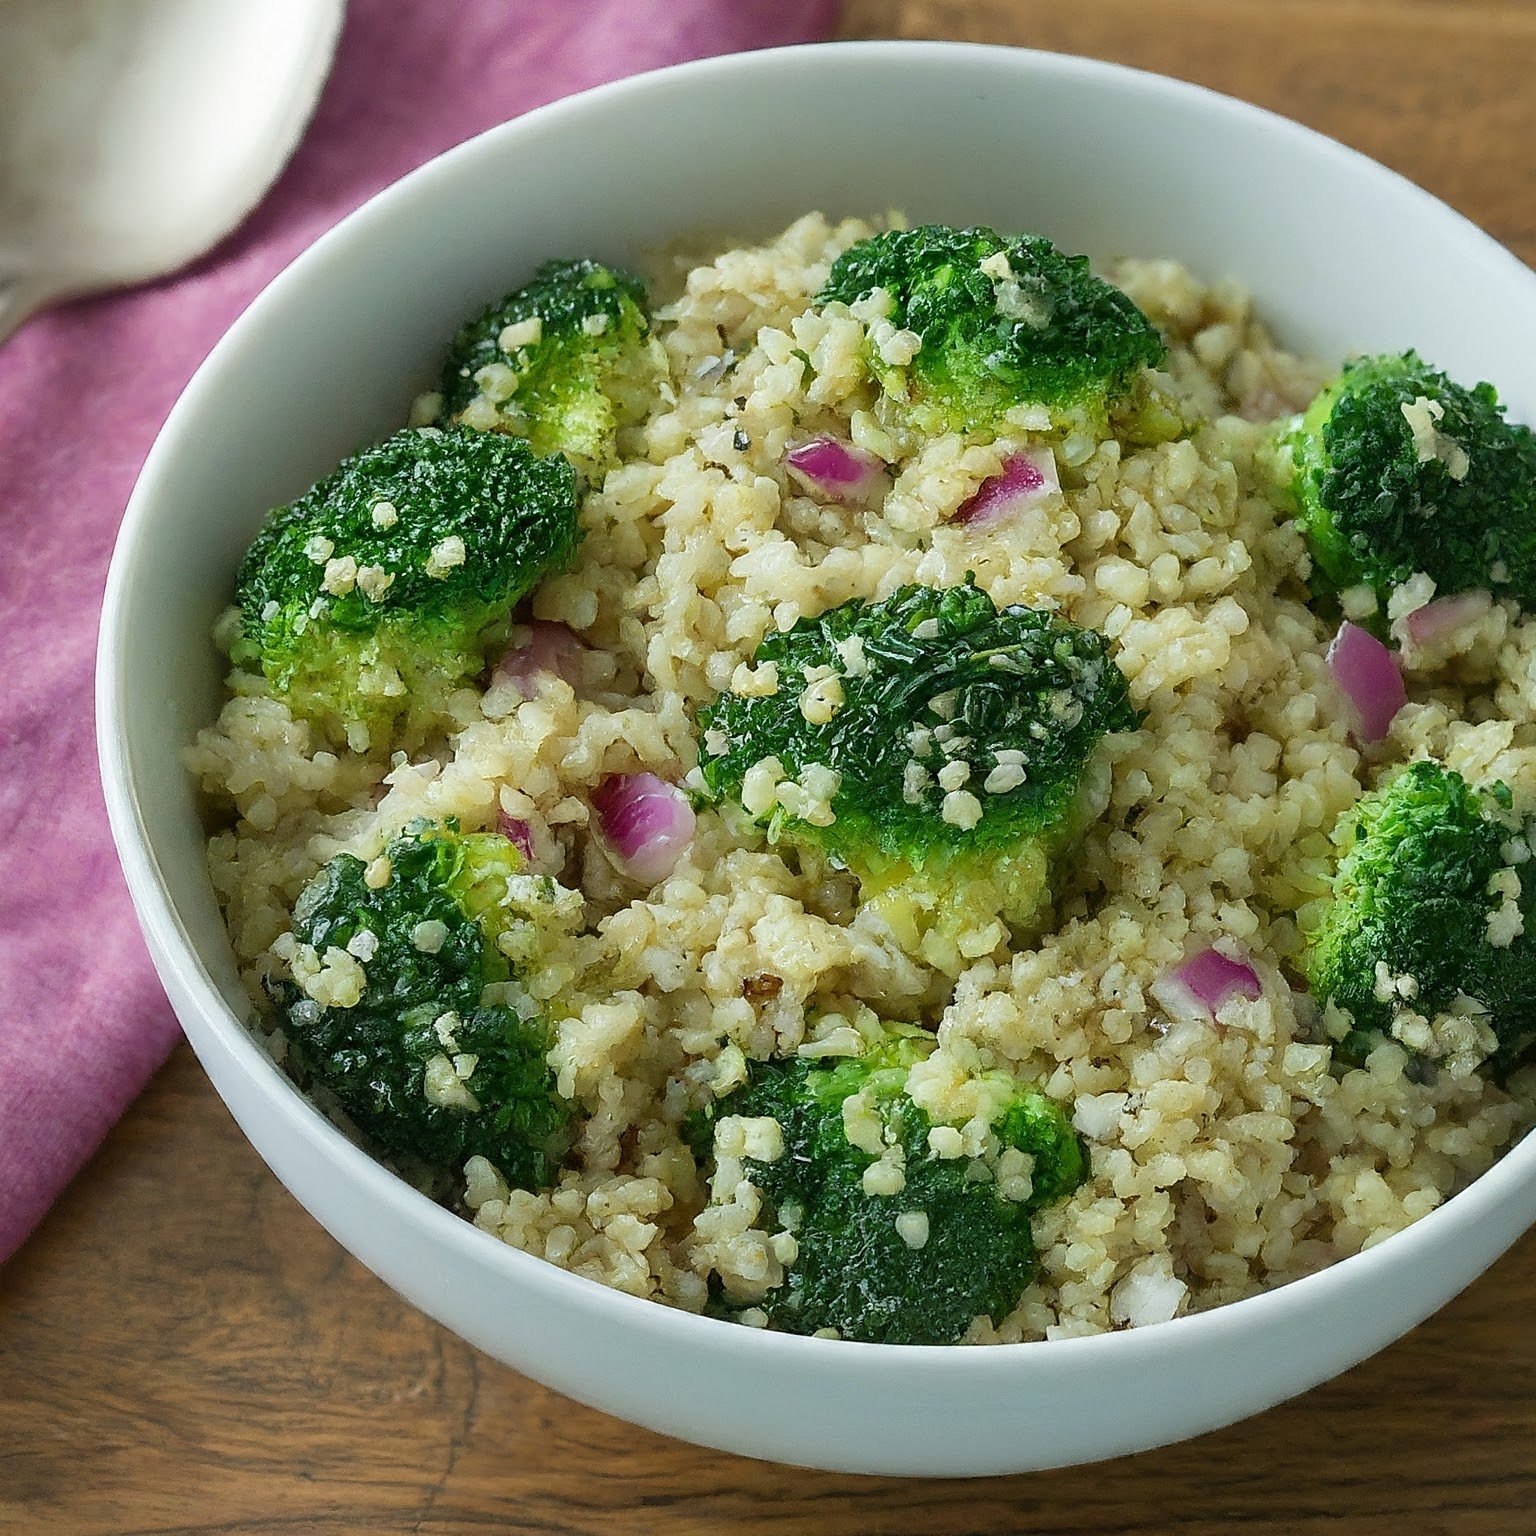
(183,1350)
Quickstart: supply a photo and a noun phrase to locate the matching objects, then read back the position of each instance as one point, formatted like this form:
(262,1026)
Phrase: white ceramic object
(136,133)
(1343,255)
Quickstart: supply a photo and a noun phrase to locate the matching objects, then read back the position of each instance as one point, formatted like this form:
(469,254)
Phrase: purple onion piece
(646,822)
(1201,984)
(1434,621)
(1367,673)
(836,470)
(1025,479)
(517,832)
(542,647)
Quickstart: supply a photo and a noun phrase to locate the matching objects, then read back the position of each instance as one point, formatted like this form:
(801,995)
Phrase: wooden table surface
(183,1349)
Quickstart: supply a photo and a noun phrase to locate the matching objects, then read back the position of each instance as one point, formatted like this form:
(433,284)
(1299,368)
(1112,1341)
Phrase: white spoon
(134,134)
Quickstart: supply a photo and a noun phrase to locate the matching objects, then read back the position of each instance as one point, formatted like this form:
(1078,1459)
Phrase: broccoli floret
(407,1002)
(1003,322)
(943,750)
(375,594)
(953,1243)
(565,362)
(1416,940)
(1396,471)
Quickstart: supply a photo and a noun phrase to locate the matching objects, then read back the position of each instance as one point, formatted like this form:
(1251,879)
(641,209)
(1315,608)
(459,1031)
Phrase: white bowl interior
(1342,255)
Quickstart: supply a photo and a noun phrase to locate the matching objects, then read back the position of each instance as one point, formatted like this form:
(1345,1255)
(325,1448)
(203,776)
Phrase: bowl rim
(458,1239)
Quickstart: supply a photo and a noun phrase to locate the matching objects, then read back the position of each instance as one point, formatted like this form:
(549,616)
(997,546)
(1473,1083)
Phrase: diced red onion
(836,469)
(546,648)
(1434,621)
(517,832)
(646,822)
(1025,479)
(1367,672)
(1201,984)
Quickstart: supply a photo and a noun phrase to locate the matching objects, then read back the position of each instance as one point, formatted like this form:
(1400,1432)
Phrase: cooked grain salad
(888,785)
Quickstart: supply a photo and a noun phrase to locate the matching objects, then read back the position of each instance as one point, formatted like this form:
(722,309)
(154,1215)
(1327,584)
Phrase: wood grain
(183,1350)
(1441,90)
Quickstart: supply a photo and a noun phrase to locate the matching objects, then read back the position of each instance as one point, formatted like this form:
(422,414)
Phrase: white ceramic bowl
(1342,254)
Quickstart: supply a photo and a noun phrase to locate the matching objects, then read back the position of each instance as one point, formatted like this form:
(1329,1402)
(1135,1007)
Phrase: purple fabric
(83,1022)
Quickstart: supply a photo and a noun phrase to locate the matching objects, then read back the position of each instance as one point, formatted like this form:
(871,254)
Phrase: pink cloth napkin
(83,1022)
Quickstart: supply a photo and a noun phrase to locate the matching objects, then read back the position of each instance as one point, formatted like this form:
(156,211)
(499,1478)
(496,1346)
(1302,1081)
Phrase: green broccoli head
(408,1001)
(564,362)
(1428,935)
(912,1250)
(1002,322)
(375,594)
(941,749)
(1397,471)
